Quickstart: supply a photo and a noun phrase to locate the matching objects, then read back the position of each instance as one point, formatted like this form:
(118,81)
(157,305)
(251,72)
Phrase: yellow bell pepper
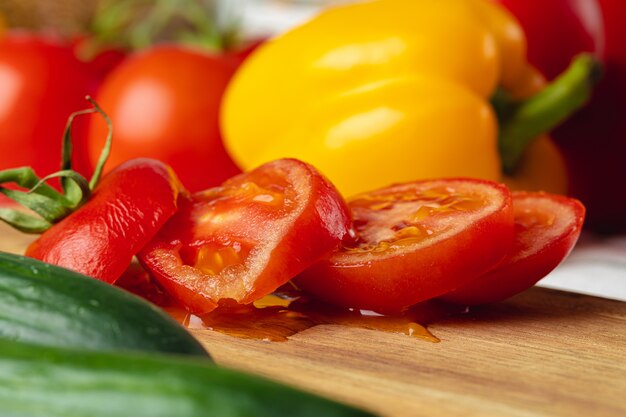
(397,90)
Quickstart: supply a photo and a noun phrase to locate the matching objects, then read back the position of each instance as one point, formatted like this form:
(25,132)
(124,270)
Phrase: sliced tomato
(415,241)
(546,229)
(244,239)
(128,207)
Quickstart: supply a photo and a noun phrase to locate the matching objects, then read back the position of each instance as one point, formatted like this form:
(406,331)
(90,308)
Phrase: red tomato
(41,84)
(415,241)
(127,208)
(244,239)
(101,59)
(546,229)
(164,104)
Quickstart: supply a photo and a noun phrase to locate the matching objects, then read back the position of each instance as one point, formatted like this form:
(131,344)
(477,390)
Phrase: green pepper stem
(522,122)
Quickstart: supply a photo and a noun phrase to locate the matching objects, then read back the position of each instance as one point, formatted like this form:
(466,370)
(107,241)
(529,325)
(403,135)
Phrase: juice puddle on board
(287,312)
(278,316)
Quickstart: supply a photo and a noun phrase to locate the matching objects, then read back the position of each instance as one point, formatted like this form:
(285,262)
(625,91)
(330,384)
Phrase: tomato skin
(127,208)
(285,239)
(390,283)
(42,83)
(538,248)
(164,104)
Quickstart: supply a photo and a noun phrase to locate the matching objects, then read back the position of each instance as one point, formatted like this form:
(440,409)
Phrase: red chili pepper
(125,211)
(92,227)
(594,141)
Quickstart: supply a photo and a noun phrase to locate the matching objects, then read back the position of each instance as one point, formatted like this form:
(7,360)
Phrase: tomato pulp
(546,229)
(415,241)
(244,239)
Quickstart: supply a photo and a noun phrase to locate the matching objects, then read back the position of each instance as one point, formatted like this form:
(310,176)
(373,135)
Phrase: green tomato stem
(138,24)
(106,150)
(23,222)
(522,122)
(51,205)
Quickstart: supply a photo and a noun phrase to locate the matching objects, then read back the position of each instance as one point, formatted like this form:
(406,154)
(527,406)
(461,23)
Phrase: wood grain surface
(542,353)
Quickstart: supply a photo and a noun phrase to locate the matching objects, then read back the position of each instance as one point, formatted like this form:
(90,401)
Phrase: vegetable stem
(51,205)
(522,122)
(106,150)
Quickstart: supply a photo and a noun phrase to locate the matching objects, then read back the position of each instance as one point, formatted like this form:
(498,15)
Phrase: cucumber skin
(39,381)
(48,305)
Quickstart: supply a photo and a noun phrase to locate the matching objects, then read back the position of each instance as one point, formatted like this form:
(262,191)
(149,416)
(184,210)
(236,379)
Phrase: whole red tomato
(164,104)
(41,84)
(594,140)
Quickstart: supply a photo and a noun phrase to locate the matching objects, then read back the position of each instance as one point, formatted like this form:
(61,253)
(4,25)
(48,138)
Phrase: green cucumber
(39,381)
(48,305)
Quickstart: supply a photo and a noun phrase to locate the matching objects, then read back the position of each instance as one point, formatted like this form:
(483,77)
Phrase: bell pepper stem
(522,122)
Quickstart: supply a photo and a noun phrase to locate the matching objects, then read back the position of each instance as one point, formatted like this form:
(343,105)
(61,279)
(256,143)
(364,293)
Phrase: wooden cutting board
(542,353)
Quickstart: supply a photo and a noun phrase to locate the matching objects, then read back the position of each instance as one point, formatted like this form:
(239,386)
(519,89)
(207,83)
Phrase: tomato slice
(415,241)
(546,229)
(244,239)
(128,207)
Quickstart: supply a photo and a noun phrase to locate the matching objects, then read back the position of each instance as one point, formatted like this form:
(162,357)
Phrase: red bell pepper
(594,141)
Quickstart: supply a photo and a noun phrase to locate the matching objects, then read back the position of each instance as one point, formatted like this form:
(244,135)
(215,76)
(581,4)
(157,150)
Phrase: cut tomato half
(244,239)
(415,241)
(546,229)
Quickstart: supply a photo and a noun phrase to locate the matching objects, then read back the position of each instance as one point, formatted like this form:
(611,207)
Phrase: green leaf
(51,210)
(77,187)
(23,222)
(25,177)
